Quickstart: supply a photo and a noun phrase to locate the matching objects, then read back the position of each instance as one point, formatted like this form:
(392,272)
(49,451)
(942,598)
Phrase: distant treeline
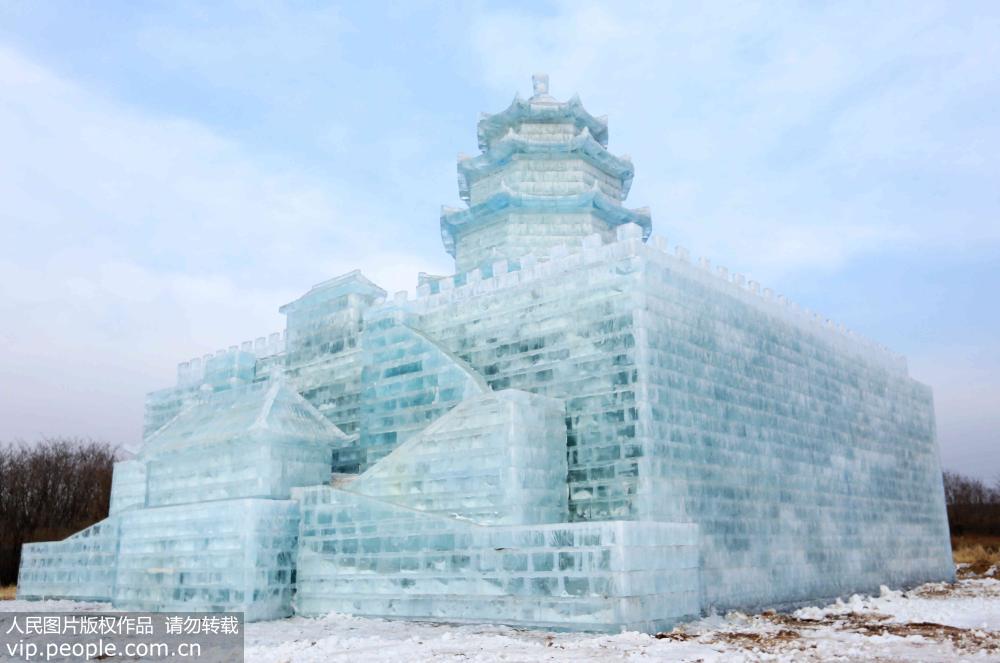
(49,490)
(973,505)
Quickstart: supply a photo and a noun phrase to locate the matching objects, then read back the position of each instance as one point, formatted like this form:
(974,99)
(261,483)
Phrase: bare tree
(48,491)
(973,506)
(960,489)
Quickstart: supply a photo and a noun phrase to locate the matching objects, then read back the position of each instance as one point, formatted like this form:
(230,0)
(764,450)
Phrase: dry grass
(7,593)
(978,552)
(796,636)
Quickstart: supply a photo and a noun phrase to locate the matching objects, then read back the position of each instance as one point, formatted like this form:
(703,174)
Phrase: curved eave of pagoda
(502,151)
(492,127)
(608,209)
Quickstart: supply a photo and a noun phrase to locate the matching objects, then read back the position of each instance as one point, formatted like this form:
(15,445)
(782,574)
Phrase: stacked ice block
(202,519)
(498,458)
(366,556)
(80,567)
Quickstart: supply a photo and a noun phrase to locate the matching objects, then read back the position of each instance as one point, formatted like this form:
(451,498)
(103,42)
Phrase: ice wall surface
(362,555)
(80,567)
(408,381)
(576,429)
(498,458)
(201,520)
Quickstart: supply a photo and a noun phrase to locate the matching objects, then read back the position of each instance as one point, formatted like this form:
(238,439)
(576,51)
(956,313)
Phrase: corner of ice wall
(766,299)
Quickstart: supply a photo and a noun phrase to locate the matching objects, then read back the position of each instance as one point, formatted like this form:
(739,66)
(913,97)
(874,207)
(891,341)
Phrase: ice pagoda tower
(544,178)
(579,428)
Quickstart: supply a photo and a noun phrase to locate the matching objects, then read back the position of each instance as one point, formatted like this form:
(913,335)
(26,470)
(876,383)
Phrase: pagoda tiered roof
(501,151)
(607,208)
(541,108)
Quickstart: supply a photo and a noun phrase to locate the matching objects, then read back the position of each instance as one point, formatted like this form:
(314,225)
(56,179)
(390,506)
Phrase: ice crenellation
(579,428)
(629,242)
(262,347)
(566,256)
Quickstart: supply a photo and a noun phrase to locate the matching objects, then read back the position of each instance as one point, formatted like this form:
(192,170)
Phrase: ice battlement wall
(568,256)
(510,273)
(558,360)
(504,273)
(804,452)
(193,370)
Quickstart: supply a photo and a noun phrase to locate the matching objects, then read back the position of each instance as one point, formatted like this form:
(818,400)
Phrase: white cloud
(774,138)
(133,241)
(255,48)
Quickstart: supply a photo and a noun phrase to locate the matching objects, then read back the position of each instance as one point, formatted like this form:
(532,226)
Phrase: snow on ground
(934,622)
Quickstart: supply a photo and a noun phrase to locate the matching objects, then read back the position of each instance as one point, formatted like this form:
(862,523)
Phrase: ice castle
(578,429)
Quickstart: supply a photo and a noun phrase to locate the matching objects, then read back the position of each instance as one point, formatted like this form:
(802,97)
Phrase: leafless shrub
(960,489)
(49,490)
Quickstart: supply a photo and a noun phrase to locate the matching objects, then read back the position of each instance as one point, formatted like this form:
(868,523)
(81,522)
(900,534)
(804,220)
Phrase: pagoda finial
(540,84)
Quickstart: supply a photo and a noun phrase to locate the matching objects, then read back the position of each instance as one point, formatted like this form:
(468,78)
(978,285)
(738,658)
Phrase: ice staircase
(465,522)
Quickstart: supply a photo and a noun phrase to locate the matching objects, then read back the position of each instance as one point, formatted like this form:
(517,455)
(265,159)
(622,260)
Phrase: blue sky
(170,173)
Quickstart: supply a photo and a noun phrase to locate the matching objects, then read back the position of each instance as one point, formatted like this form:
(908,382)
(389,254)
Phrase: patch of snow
(54,605)
(969,604)
(934,622)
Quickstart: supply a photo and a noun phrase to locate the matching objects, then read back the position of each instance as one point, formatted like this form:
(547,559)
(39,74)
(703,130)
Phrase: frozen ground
(934,622)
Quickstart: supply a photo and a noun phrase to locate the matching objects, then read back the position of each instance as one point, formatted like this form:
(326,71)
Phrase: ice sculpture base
(80,567)
(228,555)
(364,556)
